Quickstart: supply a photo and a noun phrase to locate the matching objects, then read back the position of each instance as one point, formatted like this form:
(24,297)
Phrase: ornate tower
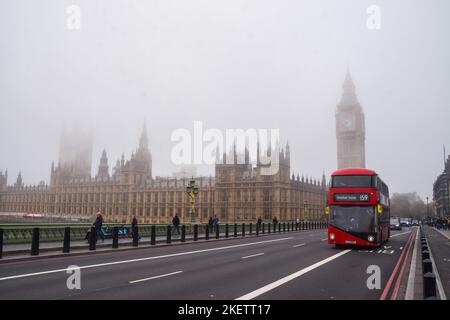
(350,128)
(103,168)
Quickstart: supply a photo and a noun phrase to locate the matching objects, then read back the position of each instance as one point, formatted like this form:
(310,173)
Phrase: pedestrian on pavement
(176,223)
(259,223)
(297,223)
(134,228)
(275,221)
(210,223)
(215,223)
(98,227)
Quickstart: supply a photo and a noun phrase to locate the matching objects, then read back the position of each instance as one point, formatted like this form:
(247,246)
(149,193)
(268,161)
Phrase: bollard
(284,226)
(217,231)
(427,266)
(183,233)
(268,228)
(66,241)
(263,228)
(195,232)
(92,239)
(135,236)
(292,226)
(207,232)
(235,230)
(303,225)
(169,234)
(250,228)
(226,231)
(257,229)
(243,229)
(425,254)
(279,227)
(288,226)
(429,285)
(1,243)
(153,236)
(115,242)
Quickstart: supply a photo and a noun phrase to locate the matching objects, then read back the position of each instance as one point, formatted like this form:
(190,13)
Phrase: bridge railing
(14,234)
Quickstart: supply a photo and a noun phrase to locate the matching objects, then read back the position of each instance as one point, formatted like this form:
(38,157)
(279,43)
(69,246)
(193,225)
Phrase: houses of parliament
(237,192)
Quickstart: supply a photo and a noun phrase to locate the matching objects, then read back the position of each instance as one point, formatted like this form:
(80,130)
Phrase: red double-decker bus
(358,208)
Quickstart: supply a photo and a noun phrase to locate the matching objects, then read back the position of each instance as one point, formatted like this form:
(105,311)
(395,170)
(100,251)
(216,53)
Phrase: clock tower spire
(350,128)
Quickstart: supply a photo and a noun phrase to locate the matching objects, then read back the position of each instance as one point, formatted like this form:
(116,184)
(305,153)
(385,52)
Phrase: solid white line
(298,245)
(409,295)
(290,277)
(253,255)
(156,277)
(399,234)
(436,273)
(144,259)
(324,239)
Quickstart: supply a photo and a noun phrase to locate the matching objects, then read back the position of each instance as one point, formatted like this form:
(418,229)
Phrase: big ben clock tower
(350,129)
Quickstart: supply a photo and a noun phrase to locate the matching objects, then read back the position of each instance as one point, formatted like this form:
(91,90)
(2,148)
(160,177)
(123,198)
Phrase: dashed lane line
(156,277)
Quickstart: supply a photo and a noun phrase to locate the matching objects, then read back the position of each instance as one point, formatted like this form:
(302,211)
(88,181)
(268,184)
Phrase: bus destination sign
(351,197)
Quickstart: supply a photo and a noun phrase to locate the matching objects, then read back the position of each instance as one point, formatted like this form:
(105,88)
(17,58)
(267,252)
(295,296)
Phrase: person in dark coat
(210,223)
(176,223)
(275,221)
(134,227)
(98,227)
(215,223)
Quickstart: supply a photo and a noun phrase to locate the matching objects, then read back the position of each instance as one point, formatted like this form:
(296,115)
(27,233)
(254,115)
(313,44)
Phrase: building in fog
(441,189)
(238,192)
(350,128)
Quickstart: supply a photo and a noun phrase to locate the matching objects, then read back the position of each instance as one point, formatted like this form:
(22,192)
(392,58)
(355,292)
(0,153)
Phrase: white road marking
(399,234)
(438,278)
(290,277)
(299,245)
(156,277)
(253,255)
(144,259)
(324,239)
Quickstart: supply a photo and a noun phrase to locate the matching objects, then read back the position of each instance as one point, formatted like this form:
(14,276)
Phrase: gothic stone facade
(238,192)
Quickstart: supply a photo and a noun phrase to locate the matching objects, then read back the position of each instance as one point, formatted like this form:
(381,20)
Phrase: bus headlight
(370,238)
(331,236)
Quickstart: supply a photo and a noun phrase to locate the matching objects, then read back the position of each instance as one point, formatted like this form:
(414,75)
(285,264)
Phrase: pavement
(295,265)
(439,245)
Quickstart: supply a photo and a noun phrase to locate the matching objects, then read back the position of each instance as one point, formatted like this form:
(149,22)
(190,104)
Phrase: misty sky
(232,64)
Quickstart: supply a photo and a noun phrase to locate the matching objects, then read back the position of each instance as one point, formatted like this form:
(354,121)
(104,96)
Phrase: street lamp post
(428,214)
(305,209)
(192,191)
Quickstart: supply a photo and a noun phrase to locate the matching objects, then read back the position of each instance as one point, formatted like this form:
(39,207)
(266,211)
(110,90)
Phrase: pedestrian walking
(210,223)
(258,224)
(135,228)
(215,223)
(98,227)
(275,221)
(176,223)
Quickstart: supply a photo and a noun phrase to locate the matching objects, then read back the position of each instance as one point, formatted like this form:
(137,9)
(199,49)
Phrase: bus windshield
(352,181)
(353,218)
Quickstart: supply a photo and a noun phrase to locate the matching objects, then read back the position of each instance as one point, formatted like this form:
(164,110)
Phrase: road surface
(294,265)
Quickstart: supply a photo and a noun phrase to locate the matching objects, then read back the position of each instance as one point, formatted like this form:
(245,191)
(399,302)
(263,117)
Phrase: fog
(230,64)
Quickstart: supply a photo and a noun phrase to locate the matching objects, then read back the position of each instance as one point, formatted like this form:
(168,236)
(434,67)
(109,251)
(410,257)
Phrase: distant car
(405,222)
(395,224)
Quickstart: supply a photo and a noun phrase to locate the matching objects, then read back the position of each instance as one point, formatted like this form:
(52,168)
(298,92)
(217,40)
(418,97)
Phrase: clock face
(347,124)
